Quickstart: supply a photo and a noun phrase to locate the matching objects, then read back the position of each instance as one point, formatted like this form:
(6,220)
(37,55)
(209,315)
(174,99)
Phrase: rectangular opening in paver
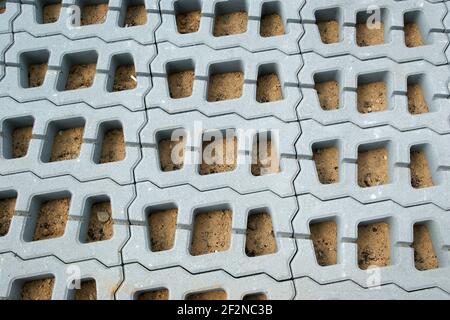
(40,289)
(64,139)
(413,34)
(2,6)
(265,158)
(231,17)
(373,165)
(425,257)
(326,159)
(17,134)
(260,237)
(162,222)
(271,20)
(52,218)
(33,69)
(78,71)
(420,170)
(188,15)
(209,295)
(226,81)
(112,143)
(180,78)
(133,13)
(211,231)
(87,290)
(255,296)
(417,102)
(48,11)
(93,11)
(268,86)
(219,152)
(370,31)
(328,90)
(7,209)
(123,72)
(157,294)
(101,224)
(372,92)
(171,146)
(374,246)
(324,238)
(328,21)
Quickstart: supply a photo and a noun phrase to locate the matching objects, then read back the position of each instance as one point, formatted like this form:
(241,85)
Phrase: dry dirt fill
(374,245)
(416,100)
(36,74)
(327,164)
(189,22)
(81,76)
(212,232)
(67,144)
(271,25)
(136,16)
(7,209)
(210,295)
(161,294)
(260,238)
(171,154)
(413,37)
(268,88)
(328,93)
(420,171)
(113,146)
(50,13)
(52,219)
(372,97)
(373,167)
(219,156)
(324,238)
(100,222)
(94,14)
(329,31)
(2,7)
(125,78)
(181,84)
(263,162)
(230,23)
(369,37)
(424,256)
(255,297)
(21,138)
(87,291)
(38,289)
(225,86)
(162,225)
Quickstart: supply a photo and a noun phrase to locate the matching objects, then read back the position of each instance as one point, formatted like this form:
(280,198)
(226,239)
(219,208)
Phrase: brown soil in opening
(125,78)
(163,225)
(324,238)
(211,295)
(420,171)
(374,247)
(212,232)
(255,297)
(327,164)
(36,74)
(50,13)
(87,291)
(67,144)
(271,25)
(52,219)
(94,14)
(329,31)
(7,209)
(372,97)
(181,84)
(38,289)
(328,93)
(21,138)
(373,168)
(100,222)
(189,22)
(113,146)
(231,23)
(263,162)
(413,37)
(268,88)
(416,100)
(260,238)
(424,256)
(2,10)
(81,76)
(171,154)
(369,37)
(162,294)
(2,6)
(136,16)
(219,156)
(225,86)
